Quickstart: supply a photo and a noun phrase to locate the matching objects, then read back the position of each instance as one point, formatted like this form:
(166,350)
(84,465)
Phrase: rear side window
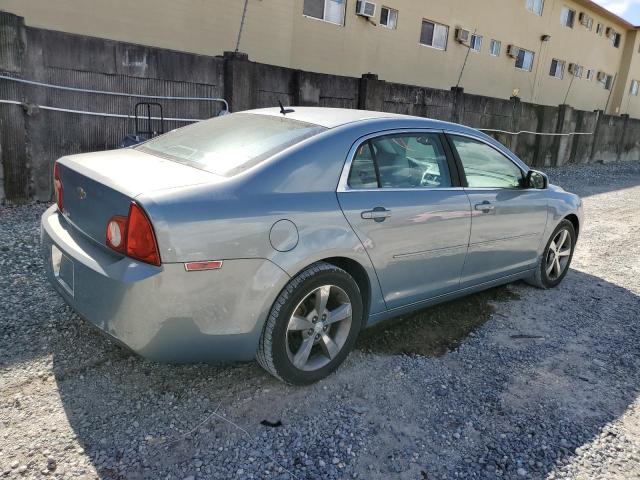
(231,144)
(485,167)
(400,161)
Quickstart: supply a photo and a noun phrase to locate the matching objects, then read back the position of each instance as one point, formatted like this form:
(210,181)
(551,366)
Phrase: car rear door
(401,193)
(508,219)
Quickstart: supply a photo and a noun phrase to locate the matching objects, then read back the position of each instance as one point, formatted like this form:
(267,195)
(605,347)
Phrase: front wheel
(556,258)
(312,325)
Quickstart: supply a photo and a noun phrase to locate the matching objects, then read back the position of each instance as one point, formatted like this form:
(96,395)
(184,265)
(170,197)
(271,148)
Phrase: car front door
(508,219)
(402,195)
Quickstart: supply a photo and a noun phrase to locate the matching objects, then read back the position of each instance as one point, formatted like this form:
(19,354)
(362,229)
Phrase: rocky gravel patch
(526,384)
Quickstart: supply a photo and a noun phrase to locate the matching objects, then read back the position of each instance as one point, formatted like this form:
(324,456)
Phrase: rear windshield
(230,144)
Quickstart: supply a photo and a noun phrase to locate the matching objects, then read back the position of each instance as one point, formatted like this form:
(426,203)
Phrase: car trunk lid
(99,185)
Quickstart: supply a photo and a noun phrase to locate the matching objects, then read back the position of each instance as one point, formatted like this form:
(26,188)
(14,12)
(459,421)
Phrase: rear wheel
(556,258)
(312,325)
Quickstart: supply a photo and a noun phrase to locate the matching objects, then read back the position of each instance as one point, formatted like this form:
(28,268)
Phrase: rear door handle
(379,214)
(485,206)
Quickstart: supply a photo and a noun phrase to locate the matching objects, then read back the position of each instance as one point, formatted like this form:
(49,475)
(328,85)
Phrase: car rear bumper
(162,313)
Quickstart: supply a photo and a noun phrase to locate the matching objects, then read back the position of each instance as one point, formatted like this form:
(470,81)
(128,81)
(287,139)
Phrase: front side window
(231,144)
(635,87)
(389,17)
(485,167)
(327,10)
(525,60)
(557,68)
(495,48)
(590,74)
(600,29)
(535,6)
(434,35)
(476,42)
(411,160)
(567,17)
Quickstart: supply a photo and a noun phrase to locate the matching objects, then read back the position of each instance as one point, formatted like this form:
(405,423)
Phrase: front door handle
(485,207)
(379,214)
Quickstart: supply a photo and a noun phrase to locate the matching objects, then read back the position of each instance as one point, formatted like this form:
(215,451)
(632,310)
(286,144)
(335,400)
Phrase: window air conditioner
(462,35)
(365,9)
(513,51)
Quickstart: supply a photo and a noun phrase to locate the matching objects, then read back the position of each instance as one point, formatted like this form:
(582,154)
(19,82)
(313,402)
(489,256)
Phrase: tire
(283,341)
(541,278)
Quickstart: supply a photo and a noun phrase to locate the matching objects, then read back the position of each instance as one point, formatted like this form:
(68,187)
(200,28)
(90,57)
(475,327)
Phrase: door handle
(379,214)
(485,207)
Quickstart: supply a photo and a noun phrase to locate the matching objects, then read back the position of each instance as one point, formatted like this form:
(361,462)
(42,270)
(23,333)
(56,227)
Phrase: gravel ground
(511,383)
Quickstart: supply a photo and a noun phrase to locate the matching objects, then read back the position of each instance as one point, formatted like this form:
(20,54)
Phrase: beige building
(545,51)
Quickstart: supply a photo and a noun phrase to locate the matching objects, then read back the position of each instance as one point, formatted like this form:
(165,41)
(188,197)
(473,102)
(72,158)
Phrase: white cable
(100,114)
(118,94)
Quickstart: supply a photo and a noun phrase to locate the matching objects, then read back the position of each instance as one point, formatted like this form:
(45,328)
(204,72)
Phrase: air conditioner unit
(462,35)
(575,69)
(586,20)
(513,51)
(365,9)
(602,76)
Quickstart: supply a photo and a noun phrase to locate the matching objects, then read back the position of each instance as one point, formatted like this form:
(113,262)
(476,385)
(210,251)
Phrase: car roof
(335,117)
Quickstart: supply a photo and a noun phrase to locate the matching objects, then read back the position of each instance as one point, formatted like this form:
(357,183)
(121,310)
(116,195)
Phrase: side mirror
(536,179)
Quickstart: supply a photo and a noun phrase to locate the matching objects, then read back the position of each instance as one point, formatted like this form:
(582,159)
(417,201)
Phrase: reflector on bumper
(208,265)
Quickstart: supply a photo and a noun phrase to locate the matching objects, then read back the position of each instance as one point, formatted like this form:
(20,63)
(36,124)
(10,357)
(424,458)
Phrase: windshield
(230,144)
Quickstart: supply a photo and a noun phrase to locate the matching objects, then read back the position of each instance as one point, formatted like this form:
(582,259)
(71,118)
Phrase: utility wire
(466,57)
(573,77)
(244,14)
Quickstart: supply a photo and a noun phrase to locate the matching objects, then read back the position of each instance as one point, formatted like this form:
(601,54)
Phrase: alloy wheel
(319,328)
(558,254)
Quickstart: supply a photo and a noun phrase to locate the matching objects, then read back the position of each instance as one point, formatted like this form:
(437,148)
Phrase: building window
(635,87)
(389,18)
(535,6)
(524,61)
(590,74)
(434,35)
(495,47)
(476,42)
(600,29)
(557,68)
(327,10)
(567,17)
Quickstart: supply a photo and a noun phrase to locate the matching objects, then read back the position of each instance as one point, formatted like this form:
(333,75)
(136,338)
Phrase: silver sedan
(280,234)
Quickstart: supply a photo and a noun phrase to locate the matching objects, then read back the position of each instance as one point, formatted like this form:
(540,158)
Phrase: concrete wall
(276,32)
(31,138)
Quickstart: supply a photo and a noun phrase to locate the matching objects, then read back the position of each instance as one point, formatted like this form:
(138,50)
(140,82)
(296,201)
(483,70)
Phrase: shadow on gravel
(436,330)
(523,398)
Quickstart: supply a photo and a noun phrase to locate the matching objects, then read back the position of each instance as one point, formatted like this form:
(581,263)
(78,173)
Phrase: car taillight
(133,235)
(57,186)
